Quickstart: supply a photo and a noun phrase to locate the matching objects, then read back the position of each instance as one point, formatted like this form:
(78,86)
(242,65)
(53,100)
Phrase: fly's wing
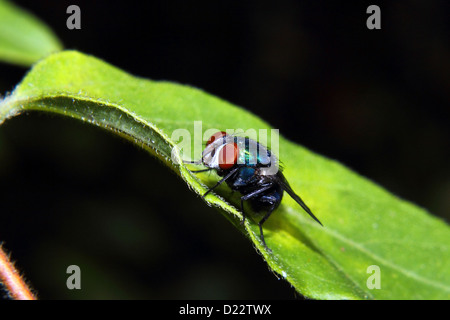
(297,199)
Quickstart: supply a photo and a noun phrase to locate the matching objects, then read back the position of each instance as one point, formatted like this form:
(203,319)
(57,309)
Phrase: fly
(247,167)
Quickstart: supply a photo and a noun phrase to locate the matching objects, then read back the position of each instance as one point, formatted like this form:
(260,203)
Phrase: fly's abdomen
(269,199)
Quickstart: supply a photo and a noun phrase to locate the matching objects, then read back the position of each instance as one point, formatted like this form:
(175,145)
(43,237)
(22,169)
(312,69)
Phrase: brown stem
(14,284)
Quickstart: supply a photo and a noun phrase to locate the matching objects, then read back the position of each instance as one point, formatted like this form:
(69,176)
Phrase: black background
(376,100)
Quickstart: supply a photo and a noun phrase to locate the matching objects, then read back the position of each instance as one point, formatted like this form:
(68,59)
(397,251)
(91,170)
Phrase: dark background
(376,100)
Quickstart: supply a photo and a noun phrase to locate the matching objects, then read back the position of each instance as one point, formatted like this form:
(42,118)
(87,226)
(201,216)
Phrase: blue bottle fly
(251,169)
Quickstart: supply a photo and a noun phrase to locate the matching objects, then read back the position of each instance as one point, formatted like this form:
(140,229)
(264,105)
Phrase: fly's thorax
(252,153)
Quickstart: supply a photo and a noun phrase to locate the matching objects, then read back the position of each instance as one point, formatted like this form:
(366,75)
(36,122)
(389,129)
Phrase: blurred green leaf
(23,38)
(364,225)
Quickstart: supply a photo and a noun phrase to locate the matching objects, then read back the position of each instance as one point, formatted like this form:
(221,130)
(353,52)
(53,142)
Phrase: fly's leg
(248,196)
(251,195)
(193,161)
(202,170)
(266,216)
(229,174)
(242,210)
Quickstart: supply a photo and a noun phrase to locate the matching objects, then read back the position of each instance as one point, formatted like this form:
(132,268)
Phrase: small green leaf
(364,225)
(23,38)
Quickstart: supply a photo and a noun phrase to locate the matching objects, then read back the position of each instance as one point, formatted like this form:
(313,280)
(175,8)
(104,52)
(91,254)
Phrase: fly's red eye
(228,156)
(215,136)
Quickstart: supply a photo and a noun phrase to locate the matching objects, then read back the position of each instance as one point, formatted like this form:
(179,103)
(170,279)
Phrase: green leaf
(364,225)
(23,38)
